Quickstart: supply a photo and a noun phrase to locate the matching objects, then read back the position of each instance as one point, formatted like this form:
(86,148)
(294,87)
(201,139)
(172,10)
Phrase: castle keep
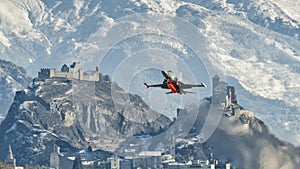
(72,72)
(224,94)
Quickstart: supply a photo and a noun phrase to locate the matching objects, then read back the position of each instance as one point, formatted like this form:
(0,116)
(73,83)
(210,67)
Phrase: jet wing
(188,86)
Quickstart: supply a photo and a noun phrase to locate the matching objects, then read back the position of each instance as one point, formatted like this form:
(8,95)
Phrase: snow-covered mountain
(255,42)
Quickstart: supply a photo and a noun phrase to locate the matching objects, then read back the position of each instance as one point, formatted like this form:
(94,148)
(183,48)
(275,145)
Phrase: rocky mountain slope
(241,139)
(251,55)
(12,79)
(73,116)
(255,42)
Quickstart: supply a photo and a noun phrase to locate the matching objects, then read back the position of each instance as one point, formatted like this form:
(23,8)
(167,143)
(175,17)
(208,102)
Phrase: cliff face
(73,115)
(241,139)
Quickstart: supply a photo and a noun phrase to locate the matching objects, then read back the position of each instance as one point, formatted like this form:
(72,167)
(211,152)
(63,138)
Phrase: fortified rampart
(72,72)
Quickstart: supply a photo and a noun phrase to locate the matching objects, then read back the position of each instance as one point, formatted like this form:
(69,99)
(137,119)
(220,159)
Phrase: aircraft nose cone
(164,74)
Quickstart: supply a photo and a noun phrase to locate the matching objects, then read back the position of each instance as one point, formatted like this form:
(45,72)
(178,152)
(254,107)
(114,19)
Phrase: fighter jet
(172,82)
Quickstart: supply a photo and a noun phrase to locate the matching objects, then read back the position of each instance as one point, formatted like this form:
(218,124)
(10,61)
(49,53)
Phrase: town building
(120,163)
(143,159)
(198,164)
(58,161)
(149,159)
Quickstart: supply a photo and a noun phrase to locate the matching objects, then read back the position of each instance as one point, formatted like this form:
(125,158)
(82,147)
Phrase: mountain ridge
(259,36)
(43,115)
(12,79)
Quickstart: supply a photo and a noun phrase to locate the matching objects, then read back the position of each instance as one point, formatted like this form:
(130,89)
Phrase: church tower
(10,157)
(54,157)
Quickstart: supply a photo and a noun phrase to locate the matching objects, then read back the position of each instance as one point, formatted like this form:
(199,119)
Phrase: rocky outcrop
(241,139)
(73,114)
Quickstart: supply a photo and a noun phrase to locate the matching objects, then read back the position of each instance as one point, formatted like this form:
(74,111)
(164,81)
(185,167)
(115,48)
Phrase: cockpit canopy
(172,75)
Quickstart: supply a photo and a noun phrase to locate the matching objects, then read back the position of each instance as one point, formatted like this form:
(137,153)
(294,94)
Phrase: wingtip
(203,84)
(146,85)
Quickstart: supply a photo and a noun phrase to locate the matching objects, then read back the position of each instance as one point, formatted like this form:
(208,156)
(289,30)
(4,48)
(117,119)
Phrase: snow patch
(26,104)
(13,127)
(69,92)
(30,60)
(4,40)
(164,7)
(291,8)
(78,4)
(9,79)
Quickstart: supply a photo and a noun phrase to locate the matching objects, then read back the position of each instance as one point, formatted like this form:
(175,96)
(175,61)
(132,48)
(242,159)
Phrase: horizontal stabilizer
(185,92)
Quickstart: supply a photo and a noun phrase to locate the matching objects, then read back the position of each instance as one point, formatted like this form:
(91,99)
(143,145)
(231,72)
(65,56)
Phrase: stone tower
(54,157)
(215,81)
(219,91)
(10,157)
(232,99)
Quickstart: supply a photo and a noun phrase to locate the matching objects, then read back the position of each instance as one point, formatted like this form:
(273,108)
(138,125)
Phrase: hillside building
(73,72)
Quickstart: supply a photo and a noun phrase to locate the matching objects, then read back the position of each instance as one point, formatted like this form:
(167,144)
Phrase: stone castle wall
(74,72)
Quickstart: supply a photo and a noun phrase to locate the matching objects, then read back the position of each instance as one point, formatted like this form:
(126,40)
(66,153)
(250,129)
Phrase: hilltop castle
(72,72)
(224,94)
